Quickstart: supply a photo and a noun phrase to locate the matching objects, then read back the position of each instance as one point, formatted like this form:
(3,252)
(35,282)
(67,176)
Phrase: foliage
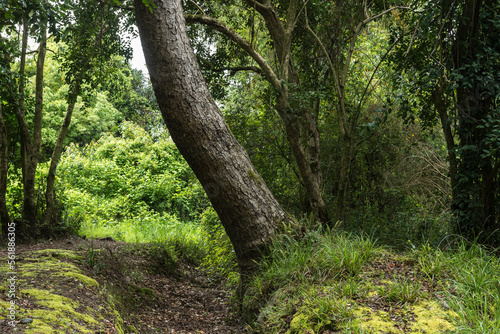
(91,118)
(133,189)
(119,177)
(257,127)
(317,257)
(129,93)
(14,194)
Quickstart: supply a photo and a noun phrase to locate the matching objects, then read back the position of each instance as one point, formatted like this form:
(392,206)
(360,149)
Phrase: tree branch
(371,18)
(233,70)
(197,6)
(242,42)
(259,5)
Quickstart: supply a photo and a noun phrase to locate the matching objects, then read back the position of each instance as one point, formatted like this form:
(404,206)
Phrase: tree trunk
(439,103)
(301,130)
(4,213)
(345,161)
(48,216)
(307,159)
(246,207)
(33,150)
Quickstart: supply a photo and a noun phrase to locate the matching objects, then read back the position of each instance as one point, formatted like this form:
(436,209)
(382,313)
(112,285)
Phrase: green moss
(58,303)
(57,253)
(300,324)
(118,322)
(90,282)
(379,321)
(56,312)
(3,309)
(431,318)
(254,177)
(47,264)
(39,326)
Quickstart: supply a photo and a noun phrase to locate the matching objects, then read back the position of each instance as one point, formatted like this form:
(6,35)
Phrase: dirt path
(152,293)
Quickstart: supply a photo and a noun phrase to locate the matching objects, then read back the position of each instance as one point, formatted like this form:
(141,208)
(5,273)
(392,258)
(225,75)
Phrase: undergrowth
(329,280)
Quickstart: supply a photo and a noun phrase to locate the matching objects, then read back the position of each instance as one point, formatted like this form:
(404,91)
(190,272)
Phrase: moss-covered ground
(53,289)
(333,282)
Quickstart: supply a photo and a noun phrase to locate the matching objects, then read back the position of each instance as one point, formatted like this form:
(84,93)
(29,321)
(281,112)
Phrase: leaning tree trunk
(48,216)
(4,213)
(246,207)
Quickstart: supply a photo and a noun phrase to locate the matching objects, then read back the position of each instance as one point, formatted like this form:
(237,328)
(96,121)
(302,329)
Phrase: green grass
(185,239)
(402,290)
(310,283)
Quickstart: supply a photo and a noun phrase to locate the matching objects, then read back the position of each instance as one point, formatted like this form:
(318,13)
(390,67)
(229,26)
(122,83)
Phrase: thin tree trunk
(19,105)
(4,167)
(343,178)
(246,207)
(48,216)
(305,162)
(440,105)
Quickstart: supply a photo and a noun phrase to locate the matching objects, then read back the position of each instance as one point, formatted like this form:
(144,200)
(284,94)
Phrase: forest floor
(104,286)
(137,288)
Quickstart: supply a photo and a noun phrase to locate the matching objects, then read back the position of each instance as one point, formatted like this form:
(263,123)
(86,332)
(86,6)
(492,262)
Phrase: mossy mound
(423,317)
(58,295)
(319,312)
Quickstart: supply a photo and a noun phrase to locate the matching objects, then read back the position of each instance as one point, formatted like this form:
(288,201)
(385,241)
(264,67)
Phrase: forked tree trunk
(30,149)
(29,207)
(246,207)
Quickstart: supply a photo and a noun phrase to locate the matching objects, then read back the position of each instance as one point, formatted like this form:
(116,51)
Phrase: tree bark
(4,213)
(30,150)
(301,129)
(246,207)
(307,157)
